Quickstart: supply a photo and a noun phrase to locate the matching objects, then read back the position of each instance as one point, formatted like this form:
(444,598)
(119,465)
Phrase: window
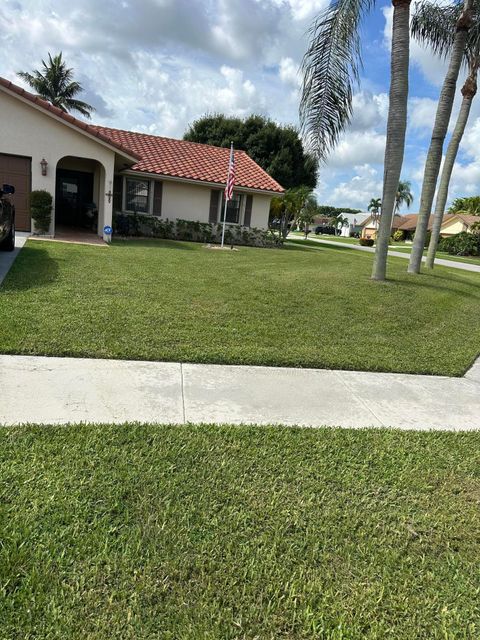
(137,195)
(233,209)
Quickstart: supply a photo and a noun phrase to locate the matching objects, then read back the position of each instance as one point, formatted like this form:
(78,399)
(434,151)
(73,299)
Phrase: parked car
(330,231)
(7,219)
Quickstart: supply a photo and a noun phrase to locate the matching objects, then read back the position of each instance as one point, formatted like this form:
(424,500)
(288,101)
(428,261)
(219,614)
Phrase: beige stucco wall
(453,227)
(185,201)
(27,131)
(192,202)
(260,211)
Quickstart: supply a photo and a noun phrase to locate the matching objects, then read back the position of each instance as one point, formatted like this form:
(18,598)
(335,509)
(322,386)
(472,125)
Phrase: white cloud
(289,72)
(365,184)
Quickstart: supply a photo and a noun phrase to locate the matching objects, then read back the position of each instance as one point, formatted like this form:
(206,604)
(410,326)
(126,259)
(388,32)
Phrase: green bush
(462,244)
(428,235)
(367,242)
(143,225)
(41,209)
(398,236)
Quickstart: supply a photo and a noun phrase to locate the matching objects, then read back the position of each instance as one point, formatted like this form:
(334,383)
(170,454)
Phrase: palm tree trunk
(435,151)
(468,91)
(396,126)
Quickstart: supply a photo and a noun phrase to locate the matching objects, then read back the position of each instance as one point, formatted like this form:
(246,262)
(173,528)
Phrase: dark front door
(74,199)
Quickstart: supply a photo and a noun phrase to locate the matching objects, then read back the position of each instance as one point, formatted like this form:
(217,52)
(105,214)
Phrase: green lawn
(145,532)
(164,300)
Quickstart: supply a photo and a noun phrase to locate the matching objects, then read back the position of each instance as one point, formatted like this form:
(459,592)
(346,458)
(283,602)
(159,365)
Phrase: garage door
(17,171)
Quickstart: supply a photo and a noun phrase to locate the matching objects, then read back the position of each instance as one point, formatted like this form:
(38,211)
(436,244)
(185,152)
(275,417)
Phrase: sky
(157,65)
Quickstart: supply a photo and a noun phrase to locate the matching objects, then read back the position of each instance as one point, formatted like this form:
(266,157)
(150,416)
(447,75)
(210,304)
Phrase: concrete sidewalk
(466,266)
(7,258)
(60,390)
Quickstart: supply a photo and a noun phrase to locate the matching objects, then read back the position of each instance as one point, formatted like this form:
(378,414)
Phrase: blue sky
(157,65)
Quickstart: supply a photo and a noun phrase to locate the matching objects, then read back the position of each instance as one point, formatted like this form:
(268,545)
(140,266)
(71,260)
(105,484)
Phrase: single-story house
(451,225)
(352,223)
(456,223)
(93,168)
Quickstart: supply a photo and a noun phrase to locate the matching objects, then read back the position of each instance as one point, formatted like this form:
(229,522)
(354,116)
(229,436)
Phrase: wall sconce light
(44,165)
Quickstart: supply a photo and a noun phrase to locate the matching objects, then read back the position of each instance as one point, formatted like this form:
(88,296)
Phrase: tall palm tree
(435,25)
(375,205)
(330,73)
(404,195)
(440,127)
(56,85)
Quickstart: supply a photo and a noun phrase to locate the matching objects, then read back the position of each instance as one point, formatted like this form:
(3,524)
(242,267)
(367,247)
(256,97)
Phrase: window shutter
(157,198)
(214,200)
(248,211)
(117,193)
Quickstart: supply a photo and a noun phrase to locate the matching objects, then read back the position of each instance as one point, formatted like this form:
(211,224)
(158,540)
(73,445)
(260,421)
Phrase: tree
(327,210)
(288,209)
(56,85)
(277,149)
(435,25)
(466,205)
(375,205)
(440,127)
(404,195)
(331,70)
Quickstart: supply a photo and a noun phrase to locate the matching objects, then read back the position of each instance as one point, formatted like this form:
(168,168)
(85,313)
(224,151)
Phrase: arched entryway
(80,185)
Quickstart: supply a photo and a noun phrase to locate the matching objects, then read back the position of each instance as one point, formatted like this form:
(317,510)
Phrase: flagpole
(226,194)
(224,220)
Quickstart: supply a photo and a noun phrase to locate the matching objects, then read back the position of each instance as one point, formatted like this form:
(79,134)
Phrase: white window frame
(151,187)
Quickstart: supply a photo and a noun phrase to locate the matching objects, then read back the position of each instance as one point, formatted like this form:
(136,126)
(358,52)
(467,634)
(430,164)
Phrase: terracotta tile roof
(190,160)
(466,218)
(88,128)
(408,222)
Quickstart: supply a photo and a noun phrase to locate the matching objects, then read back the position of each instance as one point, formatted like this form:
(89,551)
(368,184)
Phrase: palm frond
(330,70)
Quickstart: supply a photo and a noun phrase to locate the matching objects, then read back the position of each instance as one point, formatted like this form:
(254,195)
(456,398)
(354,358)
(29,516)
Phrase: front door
(74,205)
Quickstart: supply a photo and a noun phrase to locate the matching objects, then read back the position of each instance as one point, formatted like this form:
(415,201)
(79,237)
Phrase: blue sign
(107,230)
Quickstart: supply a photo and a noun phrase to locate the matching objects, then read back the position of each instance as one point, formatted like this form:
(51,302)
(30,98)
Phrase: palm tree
(435,25)
(331,71)
(375,205)
(442,119)
(404,195)
(56,85)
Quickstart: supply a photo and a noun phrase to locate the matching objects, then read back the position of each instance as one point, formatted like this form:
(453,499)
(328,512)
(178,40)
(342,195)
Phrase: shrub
(428,235)
(41,209)
(367,242)
(398,236)
(462,244)
(130,224)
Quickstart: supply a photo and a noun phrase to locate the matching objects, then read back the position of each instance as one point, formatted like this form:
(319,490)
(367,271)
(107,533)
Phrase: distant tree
(328,211)
(404,195)
(287,210)
(56,85)
(277,149)
(375,205)
(466,205)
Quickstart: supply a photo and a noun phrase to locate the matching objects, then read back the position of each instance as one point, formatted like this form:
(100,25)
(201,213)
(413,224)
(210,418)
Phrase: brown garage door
(17,171)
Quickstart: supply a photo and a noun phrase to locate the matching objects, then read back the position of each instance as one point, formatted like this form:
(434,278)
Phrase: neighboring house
(85,166)
(456,223)
(451,225)
(353,223)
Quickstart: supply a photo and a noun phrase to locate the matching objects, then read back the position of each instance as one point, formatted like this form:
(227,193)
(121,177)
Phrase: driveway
(396,254)
(7,258)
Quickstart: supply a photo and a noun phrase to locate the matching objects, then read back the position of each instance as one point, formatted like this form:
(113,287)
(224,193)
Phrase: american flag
(231,176)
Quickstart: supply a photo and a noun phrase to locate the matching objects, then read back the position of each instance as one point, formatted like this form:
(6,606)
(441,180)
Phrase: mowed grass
(238,533)
(297,306)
